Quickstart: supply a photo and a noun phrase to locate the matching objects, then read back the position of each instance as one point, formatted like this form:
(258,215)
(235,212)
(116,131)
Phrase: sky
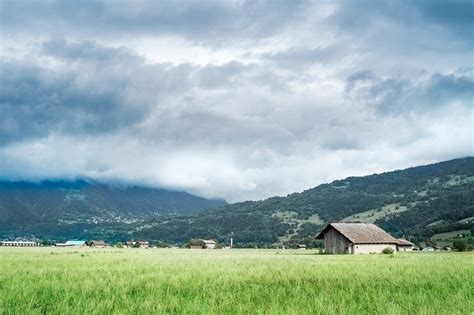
(232,99)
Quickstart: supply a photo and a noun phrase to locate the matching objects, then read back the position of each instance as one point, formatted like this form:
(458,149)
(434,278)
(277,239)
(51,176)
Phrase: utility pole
(231,239)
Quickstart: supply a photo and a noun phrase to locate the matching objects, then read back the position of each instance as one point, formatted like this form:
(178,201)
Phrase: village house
(138,244)
(405,246)
(210,244)
(143,244)
(97,244)
(19,243)
(356,238)
(301,246)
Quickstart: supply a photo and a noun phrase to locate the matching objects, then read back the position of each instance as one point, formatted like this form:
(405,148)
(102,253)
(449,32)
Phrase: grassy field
(450,235)
(151,281)
(370,216)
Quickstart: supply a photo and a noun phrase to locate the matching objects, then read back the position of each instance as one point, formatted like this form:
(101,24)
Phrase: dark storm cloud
(35,102)
(455,15)
(208,20)
(454,18)
(390,95)
(94,90)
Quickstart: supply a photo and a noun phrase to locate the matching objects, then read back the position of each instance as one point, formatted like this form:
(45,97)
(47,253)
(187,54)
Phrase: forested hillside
(415,202)
(80,208)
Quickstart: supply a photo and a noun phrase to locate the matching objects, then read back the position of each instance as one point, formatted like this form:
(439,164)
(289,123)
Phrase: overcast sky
(233,99)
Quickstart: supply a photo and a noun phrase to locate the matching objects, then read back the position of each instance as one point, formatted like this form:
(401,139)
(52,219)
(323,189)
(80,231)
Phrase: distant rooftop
(75,243)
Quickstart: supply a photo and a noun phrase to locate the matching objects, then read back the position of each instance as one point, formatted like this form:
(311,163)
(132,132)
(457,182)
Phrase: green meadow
(179,281)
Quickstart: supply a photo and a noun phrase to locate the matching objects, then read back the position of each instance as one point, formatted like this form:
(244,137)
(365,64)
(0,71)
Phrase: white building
(19,243)
(210,244)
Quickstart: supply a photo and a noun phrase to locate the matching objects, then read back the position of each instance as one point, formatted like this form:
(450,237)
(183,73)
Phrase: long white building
(19,243)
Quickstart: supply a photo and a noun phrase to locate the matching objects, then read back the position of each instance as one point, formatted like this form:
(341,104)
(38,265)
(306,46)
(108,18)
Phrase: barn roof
(403,242)
(97,243)
(75,243)
(360,233)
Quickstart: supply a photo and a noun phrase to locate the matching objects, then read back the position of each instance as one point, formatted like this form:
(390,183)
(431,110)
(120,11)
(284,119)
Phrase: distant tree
(460,245)
(46,243)
(293,244)
(161,244)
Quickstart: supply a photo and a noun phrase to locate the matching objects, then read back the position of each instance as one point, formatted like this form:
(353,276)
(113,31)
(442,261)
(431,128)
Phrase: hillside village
(336,238)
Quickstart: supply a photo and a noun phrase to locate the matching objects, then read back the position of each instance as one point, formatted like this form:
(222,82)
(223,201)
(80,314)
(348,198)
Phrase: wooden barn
(356,238)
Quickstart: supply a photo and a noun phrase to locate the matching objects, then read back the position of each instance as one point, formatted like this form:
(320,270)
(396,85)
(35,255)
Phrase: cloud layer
(236,99)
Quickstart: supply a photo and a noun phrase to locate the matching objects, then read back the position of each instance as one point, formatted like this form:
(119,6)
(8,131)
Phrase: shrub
(161,244)
(460,245)
(387,250)
(119,245)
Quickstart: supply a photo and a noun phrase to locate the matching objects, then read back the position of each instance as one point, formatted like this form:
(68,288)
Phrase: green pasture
(370,216)
(179,281)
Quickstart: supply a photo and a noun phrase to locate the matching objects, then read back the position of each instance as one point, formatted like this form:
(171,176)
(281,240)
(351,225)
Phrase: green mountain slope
(66,209)
(405,202)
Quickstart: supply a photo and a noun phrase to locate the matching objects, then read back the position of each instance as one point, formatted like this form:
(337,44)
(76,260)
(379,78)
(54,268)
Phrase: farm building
(19,243)
(138,244)
(356,238)
(405,246)
(76,243)
(99,244)
(210,244)
(302,246)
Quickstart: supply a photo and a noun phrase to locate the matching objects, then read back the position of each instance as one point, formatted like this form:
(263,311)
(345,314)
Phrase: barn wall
(372,248)
(336,243)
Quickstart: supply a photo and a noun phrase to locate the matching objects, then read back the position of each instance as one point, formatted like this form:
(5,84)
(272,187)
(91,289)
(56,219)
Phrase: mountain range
(52,209)
(415,203)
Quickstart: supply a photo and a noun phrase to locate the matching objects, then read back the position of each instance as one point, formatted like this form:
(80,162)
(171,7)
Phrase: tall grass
(119,281)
